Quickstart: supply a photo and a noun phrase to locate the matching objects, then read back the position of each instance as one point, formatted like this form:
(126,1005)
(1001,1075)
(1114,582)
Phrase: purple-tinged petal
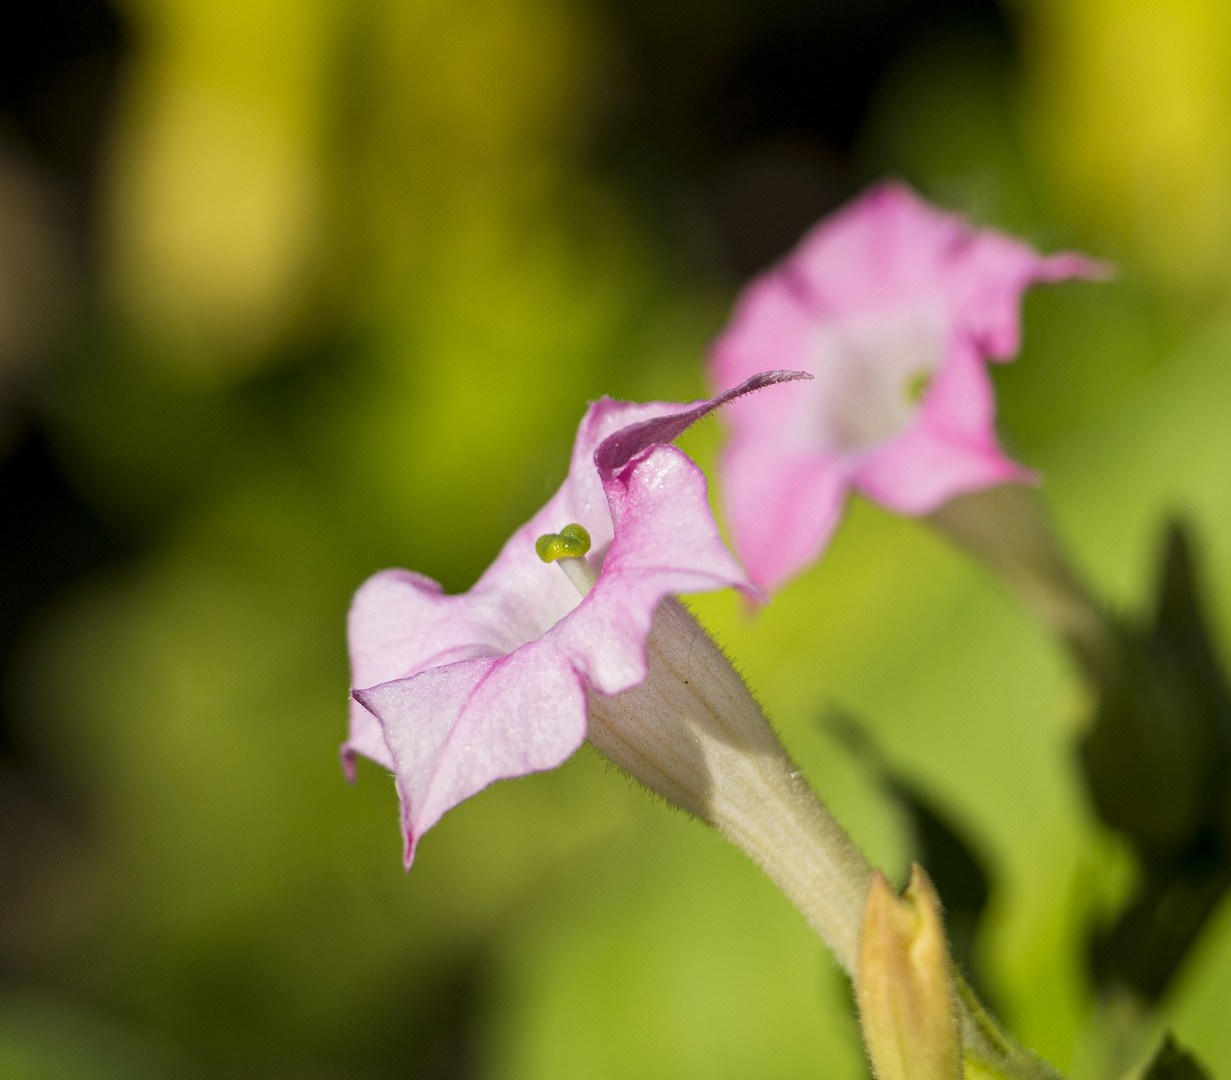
(769,327)
(401,623)
(453,730)
(518,598)
(618,449)
(783,506)
(528,714)
(417,716)
(666,540)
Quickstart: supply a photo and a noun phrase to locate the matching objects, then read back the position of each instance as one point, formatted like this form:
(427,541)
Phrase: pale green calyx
(571,542)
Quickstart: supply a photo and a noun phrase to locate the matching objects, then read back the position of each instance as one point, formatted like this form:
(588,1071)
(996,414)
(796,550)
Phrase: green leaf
(939,842)
(1173,1062)
(989,1053)
(1158,765)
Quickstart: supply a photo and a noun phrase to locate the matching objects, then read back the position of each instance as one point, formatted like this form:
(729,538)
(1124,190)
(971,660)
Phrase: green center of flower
(874,375)
(917,386)
(567,549)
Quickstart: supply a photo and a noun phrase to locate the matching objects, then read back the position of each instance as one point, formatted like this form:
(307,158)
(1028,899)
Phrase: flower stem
(693,733)
(1007,529)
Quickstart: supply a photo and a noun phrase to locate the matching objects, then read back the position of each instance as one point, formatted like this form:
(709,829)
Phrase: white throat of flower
(873,375)
(567,549)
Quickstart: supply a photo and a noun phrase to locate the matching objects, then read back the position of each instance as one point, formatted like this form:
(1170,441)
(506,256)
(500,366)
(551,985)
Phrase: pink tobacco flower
(894,307)
(455,692)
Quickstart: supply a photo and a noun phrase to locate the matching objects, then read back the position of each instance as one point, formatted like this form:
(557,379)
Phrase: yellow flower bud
(907,1003)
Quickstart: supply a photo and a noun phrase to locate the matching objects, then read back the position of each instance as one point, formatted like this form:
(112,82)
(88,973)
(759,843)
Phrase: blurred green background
(292,291)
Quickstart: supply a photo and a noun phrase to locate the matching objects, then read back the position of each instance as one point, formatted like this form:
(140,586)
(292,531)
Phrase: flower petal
(984,287)
(666,543)
(454,730)
(881,250)
(951,448)
(401,623)
(783,506)
(518,572)
(930,470)
(617,450)
(666,540)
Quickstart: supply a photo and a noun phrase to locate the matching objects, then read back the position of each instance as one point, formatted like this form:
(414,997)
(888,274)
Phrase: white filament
(579,571)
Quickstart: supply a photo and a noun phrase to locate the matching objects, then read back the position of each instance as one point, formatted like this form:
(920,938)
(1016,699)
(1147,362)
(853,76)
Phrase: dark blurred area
(751,112)
(1158,763)
(60,64)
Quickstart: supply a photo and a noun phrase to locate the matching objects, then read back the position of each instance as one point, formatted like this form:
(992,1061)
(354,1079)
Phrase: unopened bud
(907,1004)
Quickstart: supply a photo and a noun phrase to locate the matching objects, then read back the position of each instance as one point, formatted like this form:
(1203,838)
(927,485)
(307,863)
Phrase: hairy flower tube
(895,307)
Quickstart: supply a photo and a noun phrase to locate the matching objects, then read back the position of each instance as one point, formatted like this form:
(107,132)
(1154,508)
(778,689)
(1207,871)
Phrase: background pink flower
(894,307)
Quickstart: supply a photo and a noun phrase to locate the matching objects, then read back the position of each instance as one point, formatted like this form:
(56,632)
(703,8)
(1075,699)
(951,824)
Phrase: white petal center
(873,375)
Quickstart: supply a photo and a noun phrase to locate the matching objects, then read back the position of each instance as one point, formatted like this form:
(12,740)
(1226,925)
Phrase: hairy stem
(694,734)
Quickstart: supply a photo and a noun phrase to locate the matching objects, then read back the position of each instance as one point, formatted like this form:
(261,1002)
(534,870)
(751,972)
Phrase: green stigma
(571,542)
(917,385)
